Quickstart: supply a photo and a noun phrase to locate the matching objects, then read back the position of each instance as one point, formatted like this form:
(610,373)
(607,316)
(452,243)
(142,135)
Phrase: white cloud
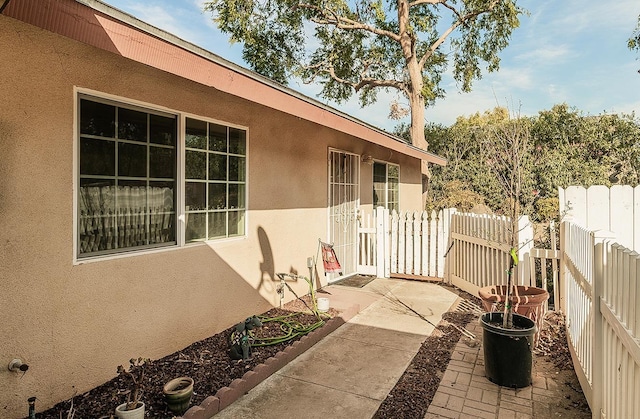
(546,54)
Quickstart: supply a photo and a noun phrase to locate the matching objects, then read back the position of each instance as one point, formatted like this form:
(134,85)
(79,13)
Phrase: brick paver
(465,391)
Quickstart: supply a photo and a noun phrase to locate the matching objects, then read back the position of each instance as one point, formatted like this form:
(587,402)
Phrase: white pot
(323,304)
(137,413)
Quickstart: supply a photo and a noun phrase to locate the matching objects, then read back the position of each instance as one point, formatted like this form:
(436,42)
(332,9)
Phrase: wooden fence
(599,297)
(480,248)
(599,207)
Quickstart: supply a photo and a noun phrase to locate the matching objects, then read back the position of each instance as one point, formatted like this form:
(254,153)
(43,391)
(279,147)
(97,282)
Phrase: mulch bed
(208,363)
(414,391)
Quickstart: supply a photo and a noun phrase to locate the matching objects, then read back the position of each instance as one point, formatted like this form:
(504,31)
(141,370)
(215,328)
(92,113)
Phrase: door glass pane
(237,141)
(196,134)
(195,164)
(132,125)
(236,168)
(217,224)
(132,160)
(217,138)
(195,196)
(196,226)
(236,196)
(394,171)
(162,162)
(236,223)
(217,196)
(97,157)
(217,166)
(97,119)
(163,130)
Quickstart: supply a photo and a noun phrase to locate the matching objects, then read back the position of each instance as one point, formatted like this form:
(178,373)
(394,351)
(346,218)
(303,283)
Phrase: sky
(565,51)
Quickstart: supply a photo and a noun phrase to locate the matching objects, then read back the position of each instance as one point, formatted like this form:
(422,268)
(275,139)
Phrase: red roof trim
(107,28)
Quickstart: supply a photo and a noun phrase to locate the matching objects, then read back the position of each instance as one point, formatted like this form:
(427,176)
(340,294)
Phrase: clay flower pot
(177,394)
(526,301)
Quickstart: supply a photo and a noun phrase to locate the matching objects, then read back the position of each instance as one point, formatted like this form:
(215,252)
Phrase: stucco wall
(73,324)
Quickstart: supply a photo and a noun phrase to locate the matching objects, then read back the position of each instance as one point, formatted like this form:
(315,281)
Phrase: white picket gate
(405,244)
(367,244)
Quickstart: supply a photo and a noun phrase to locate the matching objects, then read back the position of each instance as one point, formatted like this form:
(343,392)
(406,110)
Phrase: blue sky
(566,51)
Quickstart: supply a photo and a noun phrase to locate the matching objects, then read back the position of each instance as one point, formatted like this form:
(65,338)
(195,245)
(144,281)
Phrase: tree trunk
(414,90)
(417,119)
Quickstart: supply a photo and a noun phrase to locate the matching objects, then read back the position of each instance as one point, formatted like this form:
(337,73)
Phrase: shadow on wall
(267,266)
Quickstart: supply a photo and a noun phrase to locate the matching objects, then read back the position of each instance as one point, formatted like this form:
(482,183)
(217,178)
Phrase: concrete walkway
(350,372)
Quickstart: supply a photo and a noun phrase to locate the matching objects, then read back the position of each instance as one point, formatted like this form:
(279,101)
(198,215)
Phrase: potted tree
(133,408)
(508,337)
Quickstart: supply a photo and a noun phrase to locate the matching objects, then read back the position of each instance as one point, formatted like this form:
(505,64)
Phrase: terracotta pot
(526,301)
(177,394)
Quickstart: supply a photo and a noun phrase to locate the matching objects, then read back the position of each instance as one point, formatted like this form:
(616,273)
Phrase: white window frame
(386,182)
(180,176)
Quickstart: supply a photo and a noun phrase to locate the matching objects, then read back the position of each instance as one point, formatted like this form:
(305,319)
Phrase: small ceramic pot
(177,394)
(137,413)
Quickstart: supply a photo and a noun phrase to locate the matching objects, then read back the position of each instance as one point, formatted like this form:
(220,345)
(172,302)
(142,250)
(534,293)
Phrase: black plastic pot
(508,353)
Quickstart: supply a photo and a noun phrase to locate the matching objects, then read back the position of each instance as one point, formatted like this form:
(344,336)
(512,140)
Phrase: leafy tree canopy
(634,41)
(361,46)
(566,148)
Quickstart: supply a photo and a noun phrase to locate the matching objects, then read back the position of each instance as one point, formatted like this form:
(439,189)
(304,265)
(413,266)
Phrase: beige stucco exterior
(74,322)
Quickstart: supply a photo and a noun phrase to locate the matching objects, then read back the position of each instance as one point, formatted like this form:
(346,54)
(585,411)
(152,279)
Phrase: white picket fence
(598,288)
(405,244)
(599,297)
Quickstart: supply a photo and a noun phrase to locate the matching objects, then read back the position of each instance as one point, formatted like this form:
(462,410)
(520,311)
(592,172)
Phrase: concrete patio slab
(351,371)
(284,397)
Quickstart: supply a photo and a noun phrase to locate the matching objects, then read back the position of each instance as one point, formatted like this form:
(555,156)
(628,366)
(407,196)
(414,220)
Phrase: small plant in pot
(133,408)
(509,338)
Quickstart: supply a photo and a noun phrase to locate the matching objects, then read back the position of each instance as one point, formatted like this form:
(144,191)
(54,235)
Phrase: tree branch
(327,68)
(462,20)
(330,17)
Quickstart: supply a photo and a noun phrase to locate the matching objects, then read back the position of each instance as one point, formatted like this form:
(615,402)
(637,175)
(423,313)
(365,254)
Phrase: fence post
(525,241)
(600,261)
(562,275)
(446,254)
(381,243)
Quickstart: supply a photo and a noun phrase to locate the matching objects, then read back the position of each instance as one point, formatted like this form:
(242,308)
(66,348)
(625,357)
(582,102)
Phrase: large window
(127,188)
(386,179)
(215,162)
(128,179)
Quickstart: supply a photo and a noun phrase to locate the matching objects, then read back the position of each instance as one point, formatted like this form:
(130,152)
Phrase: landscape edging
(240,386)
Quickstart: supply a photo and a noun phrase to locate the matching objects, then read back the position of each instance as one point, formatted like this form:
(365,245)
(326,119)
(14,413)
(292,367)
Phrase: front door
(344,190)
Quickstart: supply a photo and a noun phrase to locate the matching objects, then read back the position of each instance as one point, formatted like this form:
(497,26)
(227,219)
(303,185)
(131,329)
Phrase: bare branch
(419,2)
